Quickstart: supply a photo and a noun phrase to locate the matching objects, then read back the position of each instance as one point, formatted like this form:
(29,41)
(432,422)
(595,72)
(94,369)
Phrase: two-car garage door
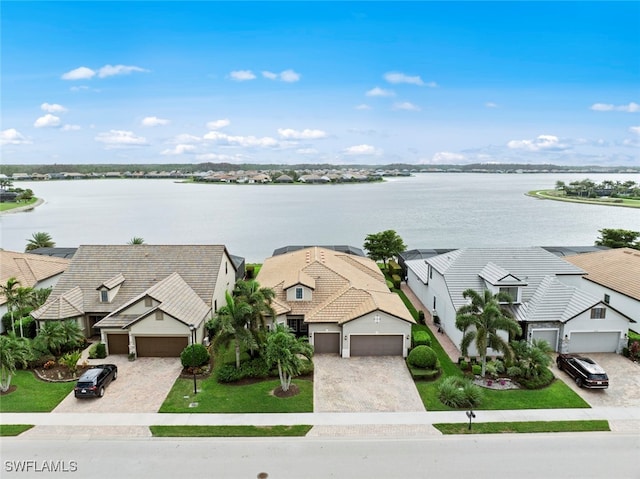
(376,345)
(166,346)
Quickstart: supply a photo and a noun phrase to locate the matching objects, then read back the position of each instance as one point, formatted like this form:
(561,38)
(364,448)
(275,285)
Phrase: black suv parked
(94,380)
(585,372)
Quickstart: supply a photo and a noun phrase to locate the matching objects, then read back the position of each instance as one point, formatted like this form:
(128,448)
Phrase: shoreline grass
(230,431)
(550,195)
(9,205)
(524,427)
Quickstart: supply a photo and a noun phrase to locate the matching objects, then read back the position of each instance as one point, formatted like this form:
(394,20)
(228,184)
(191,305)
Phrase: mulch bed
(8,391)
(293,390)
(58,373)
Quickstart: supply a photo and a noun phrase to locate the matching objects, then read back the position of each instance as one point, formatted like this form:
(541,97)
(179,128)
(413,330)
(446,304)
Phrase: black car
(94,380)
(584,371)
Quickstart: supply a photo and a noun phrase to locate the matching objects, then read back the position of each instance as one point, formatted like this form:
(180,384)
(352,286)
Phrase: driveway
(142,386)
(363,384)
(624,382)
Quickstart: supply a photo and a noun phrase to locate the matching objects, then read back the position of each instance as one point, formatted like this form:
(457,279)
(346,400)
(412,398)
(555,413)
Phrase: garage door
(594,342)
(160,347)
(376,345)
(328,343)
(118,343)
(549,335)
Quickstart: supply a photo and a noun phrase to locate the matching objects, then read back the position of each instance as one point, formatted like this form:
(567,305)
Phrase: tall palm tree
(482,319)
(40,240)
(286,351)
(9,290)
(14,351)
(259,300)
(230,326)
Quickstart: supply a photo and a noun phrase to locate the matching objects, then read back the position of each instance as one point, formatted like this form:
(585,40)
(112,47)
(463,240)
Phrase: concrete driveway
(363,384)
(624,382)
(142,386)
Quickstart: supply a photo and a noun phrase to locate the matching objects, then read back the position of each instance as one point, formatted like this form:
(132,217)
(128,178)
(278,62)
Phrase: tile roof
(142,266)
(617,269)
(67,305)
(346,286)
(29,269)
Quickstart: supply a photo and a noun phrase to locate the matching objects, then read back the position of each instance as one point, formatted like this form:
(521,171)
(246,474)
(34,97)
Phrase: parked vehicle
(94,380)
(584,371)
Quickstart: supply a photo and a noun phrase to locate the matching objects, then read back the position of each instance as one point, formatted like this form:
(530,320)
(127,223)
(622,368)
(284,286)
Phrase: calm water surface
(429,211)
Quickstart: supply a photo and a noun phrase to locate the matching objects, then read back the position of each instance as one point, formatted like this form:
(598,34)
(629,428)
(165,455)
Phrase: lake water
(443,210)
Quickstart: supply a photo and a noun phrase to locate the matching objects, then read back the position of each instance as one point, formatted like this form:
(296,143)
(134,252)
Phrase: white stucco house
(148,300)
(547,299)
(339,300)
(613,276)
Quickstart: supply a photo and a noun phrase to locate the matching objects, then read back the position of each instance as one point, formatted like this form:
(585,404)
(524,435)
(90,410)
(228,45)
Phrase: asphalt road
(584,456)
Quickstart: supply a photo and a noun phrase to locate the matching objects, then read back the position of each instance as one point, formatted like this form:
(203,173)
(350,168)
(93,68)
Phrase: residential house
(31,270)
(614,277)
(340,301)
(547,300)
(142,299)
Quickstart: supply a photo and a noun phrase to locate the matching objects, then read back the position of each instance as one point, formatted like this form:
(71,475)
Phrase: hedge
(420,338)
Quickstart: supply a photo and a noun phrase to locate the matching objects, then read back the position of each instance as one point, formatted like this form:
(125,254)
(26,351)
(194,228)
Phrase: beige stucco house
(339,300)
(149,300)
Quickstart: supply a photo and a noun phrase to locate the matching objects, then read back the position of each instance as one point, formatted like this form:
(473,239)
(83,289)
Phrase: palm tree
(9,290)
(136,240)
(286,351)
(40,240)
(259,300)
(482,319)
(51,337)
(14,351)
(230,326)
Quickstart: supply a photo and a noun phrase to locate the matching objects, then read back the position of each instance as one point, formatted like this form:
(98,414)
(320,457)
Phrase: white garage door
(549,335)
(593,342)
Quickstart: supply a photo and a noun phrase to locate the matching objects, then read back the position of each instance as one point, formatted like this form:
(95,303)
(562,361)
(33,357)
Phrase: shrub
(394,267)
(458,392)
(97,351)
(476,369)
(389,284)
(249,271)
(421,317)
(464,365)
(396,281)
(70,360)
(227,373)
(422,357)
(634,350)
(421,338)
(17,314)
(254,368)
(425,374)
(194,355)
(537,382)
(49,364)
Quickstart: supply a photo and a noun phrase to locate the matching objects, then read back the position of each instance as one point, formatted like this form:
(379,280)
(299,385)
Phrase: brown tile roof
(617,269)
(345,286)
(67,305)
(142,266)
(28,269)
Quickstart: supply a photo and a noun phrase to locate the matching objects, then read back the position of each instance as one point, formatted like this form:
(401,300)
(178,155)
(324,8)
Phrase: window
(226,267)
(215,305)
(607,298)
(159,316)
(104,296)
(147,301)
(511,291)
(298,293)
(598,313)
(434,302)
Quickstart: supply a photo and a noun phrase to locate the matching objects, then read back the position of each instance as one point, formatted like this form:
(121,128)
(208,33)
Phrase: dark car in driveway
(94,380)
(584,371)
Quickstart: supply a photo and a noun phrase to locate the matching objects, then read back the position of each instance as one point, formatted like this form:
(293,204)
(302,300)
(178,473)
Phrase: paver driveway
(142,386)
(624,382)
(363,384)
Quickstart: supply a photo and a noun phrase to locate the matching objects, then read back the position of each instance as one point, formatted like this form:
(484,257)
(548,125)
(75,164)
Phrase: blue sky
(321,82)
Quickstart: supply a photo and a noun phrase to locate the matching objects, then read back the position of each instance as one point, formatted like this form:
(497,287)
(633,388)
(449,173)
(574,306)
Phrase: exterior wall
(419,288)
(226,282)
(151,326)
(613,322)
(307,293)
(367,325)
(48,283)
(139,308)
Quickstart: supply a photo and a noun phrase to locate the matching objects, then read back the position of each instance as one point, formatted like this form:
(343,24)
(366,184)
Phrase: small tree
(286,351)
(230,326)
(384,245)
(70,360)
(14,352)
(618,238)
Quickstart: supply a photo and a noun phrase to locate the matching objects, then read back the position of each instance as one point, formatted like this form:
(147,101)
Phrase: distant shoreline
(546,195)
(20,209)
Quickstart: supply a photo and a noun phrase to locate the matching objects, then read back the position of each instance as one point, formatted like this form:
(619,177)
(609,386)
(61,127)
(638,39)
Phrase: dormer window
(512,291)
(299,293)
(147,302)
(104,296)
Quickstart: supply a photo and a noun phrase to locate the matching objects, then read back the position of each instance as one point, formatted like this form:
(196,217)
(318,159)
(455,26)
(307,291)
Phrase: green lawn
(228,398)
(229,431)
(11,205)
(553,195)
(14,429)
(33,395)
(523,427)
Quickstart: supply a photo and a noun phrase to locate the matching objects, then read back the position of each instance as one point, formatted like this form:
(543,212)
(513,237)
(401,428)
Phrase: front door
(297,325)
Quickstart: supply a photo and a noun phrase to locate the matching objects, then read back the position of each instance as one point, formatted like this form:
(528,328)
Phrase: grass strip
(14,429)
(523,427)
(230,431)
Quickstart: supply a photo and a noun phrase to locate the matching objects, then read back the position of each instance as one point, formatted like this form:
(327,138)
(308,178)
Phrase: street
(584,455)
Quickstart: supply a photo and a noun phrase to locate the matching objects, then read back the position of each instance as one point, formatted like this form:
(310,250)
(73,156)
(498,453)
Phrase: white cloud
(11,136)
(635,129)
(305,134)
(81,73)
(120,139)
(52,108)
(445,158)
(242,75)
(47,121)
(186,138)
(217,124)
(71,128)
(154,121)
(245,141)
(397,77)
(287,76)
(217,157)
(113,70)
(432,84)
(405,105)
(361,150)
(377,91)
(630,108)
(79,88)
(362,106)
(491,104)
(307,151)
(542,142)
(179,150)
